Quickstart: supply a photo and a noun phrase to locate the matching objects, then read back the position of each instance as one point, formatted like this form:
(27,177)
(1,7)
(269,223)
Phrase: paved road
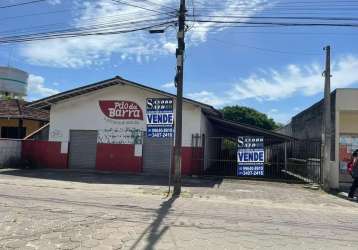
(59,210)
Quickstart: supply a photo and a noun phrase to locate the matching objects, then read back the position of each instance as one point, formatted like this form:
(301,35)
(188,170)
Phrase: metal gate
(291,160)
(157,155)
(82,149)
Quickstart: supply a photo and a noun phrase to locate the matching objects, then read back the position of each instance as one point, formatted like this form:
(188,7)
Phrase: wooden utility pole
(327,122)
(179,100)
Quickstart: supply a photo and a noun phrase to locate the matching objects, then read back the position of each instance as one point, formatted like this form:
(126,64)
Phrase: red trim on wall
(192,161)
(44,154)
(118,157)
(110,157)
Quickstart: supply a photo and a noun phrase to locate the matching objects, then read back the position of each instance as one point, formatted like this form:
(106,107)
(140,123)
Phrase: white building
(102,126)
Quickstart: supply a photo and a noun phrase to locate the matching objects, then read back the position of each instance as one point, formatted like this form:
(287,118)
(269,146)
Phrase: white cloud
(226,9)
(273,84)
(169,85)
(280,116)
(139,46)
(54,2)
(37,89)
(208,98)
(170,47)
(306,80)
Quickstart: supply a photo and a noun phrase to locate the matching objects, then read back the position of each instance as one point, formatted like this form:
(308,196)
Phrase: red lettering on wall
(121,110)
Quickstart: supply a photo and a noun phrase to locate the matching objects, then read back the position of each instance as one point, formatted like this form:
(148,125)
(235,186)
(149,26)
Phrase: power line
(72,34)
(41,13)
(21,4)
(355,25)
(158,4)
(89,21)
(140,7)
(266,49)
(87,31)
(283,17)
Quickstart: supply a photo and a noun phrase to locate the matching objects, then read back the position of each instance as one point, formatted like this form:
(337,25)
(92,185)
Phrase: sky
(276,70)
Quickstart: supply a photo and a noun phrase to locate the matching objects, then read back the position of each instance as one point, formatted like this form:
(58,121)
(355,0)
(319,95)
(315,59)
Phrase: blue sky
(274,70)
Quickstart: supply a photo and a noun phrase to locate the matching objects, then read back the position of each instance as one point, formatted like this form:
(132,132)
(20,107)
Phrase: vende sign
(121,110)
(160,119)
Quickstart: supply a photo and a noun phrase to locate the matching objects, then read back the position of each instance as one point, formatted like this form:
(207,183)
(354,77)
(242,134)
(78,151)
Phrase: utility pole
(179,100)
(326,133)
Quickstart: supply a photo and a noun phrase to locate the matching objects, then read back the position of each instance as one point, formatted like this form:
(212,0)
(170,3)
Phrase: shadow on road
(157,228)
(108,178)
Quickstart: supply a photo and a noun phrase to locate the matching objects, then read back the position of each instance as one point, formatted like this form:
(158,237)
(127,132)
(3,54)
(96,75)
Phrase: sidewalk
(91,212)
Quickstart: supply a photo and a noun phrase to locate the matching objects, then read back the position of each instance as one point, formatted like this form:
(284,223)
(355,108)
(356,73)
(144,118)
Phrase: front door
(82,149)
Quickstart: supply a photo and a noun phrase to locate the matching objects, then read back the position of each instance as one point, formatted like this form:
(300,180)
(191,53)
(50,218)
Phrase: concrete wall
(10,152)
(285,130)
(308,124)
(348,122)
(83,112)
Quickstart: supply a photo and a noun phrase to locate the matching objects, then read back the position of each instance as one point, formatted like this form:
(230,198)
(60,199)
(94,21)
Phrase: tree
(249,116)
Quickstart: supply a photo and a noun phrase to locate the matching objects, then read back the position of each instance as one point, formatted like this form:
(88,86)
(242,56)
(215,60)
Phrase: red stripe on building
(44,154)
(118,157)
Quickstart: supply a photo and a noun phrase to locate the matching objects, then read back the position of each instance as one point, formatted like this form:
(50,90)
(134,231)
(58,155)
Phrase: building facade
(103,126)
(344,131)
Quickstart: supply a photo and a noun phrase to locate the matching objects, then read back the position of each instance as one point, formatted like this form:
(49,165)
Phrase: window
(12,132)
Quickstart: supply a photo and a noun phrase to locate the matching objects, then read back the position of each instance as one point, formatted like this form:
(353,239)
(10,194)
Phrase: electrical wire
(54,35)
(282,17)
(355,25)
(140,7)
(266,49)
(21,4)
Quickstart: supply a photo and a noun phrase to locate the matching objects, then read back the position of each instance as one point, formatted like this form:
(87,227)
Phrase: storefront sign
(121,110)
(160,105)
(160,118)
(250,156)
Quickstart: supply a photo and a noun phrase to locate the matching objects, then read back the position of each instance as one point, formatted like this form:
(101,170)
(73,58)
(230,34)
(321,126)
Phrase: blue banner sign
(250,156)
(159,105)
(160,117)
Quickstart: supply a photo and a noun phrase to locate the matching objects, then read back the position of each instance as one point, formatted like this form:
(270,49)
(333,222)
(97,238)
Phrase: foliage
(249,116)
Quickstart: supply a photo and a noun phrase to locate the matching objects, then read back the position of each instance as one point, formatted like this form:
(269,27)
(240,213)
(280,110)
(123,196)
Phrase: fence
(304,160)
(10,152)
(293,160)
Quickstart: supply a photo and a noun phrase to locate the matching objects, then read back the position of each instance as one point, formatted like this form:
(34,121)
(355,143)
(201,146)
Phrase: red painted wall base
(192,161)
(44,154)
(110,157)
(118,157)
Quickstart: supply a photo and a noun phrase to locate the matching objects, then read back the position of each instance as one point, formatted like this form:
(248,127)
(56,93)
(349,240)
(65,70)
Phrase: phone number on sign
(251,173)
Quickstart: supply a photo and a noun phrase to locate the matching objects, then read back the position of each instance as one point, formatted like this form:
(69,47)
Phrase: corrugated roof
(248,129)
(46,102)
(17,109)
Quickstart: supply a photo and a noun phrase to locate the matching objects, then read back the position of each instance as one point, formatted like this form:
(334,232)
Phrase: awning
(234,129)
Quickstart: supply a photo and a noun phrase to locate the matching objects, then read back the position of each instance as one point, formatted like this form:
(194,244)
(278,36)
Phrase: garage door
(83,147)
(156,155)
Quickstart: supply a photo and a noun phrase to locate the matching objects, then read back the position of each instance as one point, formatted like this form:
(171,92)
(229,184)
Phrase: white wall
(83,113)
(208,130)
(10,152)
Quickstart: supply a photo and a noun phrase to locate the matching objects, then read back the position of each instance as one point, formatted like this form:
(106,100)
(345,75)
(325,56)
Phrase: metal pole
(326,139)
(179,100)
